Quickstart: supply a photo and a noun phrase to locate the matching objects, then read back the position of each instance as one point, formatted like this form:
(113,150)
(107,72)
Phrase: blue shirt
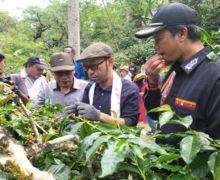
(79,71)
(129,101)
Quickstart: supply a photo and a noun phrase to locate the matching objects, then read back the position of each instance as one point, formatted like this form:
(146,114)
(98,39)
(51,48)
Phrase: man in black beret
(192,85)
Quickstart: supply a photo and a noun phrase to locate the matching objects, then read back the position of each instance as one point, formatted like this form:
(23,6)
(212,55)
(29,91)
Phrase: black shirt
(129,101)
(196,82)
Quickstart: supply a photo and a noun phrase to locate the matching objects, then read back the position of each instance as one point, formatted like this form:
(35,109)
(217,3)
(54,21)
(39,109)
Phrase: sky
(14,7)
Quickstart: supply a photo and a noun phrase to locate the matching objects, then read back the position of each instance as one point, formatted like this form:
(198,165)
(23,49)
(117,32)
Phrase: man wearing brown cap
(192,85)
(65,89)
(109,97)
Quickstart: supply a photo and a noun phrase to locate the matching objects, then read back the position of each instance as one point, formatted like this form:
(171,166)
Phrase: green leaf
(60,171)
(181,177)
(98,142)
(169,167)
(214,164)
(199,166)
(110,160)
(186,121)
(205,141)
(73,128)
(109,128)
(165,117)
(152,146)
(167,158)
(127,136)
(128,167)
(85,130)
(189,147)
(137,151)
(6,176)
(162,108)
(87,142)
(212,56)
(121,144)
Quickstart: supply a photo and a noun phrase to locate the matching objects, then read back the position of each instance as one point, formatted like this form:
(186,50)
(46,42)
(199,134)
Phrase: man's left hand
(88,111)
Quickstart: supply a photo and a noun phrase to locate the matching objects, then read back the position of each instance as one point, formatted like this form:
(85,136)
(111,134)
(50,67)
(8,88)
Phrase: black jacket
(196,82)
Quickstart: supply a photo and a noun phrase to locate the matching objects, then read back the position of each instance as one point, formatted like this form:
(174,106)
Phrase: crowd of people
(190,87)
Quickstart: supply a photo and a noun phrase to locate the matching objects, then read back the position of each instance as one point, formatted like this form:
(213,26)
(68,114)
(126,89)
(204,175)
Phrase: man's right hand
(70,109)
(152,68)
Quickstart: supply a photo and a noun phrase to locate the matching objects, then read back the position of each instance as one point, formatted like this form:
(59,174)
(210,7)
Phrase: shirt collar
(107,89)
(195,60)
(76,85)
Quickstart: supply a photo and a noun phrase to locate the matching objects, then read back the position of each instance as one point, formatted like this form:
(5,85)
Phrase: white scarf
(115,95)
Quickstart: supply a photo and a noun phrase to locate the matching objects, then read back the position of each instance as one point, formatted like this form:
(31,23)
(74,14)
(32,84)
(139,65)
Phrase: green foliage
(42,31)
(7,22)
(106,150)
(214,164)
(138,53)
(48,25)
(115,151)
(17,48)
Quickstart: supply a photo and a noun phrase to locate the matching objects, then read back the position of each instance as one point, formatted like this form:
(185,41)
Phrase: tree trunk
(74,26)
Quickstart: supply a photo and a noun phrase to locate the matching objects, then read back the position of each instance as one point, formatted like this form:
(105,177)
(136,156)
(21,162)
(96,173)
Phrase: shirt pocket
(185,107)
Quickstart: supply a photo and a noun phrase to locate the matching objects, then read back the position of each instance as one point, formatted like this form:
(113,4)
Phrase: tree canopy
(42,31)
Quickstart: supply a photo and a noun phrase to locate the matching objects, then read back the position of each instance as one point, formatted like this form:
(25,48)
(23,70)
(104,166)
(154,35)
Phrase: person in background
(142,69)
(192,85)
(66,89)
(125,73)
(79,71)
(133,69)
(141,81)
(108,98)
(32,76)
(14,81)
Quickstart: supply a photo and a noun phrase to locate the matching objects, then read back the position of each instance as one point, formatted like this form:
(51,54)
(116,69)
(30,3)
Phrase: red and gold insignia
(185,104)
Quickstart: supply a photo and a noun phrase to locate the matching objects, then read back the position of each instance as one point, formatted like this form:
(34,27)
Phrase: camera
(6,80)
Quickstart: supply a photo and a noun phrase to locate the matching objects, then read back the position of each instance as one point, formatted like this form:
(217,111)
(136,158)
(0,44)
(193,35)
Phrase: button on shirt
(53,93)
(195,91)
(129,101)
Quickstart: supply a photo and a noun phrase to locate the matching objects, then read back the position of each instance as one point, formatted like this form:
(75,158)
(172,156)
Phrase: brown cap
(95,51)
(61,62)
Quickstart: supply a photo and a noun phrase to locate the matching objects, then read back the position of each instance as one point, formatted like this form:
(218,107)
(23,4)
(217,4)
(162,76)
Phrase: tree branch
(58,143)
(28,115)
(14,160)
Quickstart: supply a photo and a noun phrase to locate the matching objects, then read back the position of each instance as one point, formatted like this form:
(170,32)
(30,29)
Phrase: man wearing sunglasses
(66,89)
(108,97)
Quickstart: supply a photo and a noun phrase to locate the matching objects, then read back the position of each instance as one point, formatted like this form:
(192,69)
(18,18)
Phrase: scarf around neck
(115,95)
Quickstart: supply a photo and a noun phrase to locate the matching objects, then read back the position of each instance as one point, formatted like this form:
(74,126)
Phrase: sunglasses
(93,67)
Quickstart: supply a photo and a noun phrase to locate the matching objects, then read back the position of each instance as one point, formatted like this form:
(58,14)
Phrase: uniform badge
(185,104)
(191,64)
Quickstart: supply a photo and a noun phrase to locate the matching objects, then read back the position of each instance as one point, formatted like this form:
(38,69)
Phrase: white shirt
(33,87)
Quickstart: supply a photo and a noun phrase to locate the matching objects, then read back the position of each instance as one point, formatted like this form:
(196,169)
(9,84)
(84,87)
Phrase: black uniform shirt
(195,91)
